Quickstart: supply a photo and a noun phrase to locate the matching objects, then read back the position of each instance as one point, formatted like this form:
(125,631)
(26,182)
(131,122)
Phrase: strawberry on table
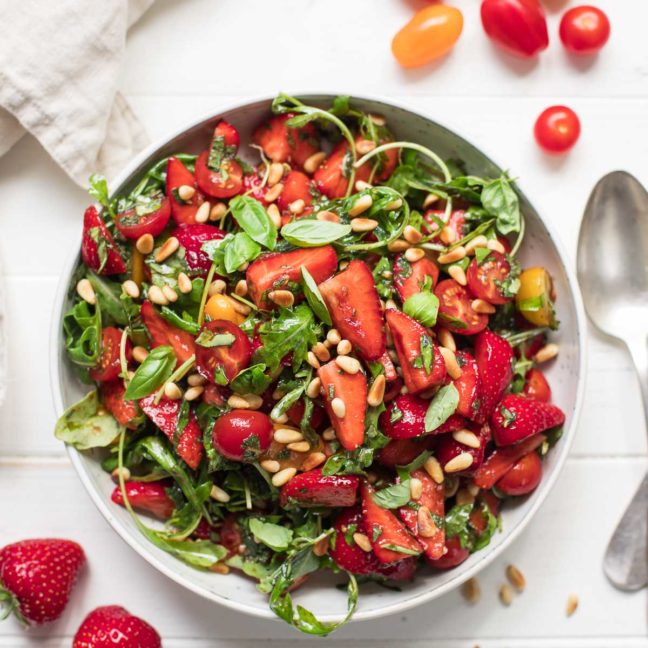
(312,488)
(98,248)
(494,357)
(112,626)
(518,417)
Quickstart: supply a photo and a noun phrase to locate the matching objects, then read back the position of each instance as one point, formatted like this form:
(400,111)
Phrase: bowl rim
(486,557)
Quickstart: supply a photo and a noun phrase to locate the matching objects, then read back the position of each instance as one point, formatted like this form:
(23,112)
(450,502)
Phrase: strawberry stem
(9,604)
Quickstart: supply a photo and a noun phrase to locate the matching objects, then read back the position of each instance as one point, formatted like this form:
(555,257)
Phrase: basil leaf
(423,307)
(152,373)
(404,550)
(393,496)
(484,538)
(313,233)
(99,191)
(209,339)
(456,520)
(314,297)
(532,304)
(442,407)
(499,198)
(239,250)
(185,322)
(80,425)
(427,353)
(349,462)
(254,220)
(252,380)
(278,538)
(481,254)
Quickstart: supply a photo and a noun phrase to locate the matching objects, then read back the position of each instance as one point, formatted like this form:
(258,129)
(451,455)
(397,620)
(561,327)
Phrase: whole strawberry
(111,626)
(37,577)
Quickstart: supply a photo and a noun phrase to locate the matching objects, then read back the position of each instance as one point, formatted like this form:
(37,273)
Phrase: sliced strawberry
(283,144)
(162,333)
(388,367)
(126,412)
(452,424)
(312,488)
(331,178)
(448,448)
(412,342)
(146,496)
(400,452)
(433,499)
(177,175)
(354,305)
(297,186)
(455,554)
(456,221)
(229,134)
(282,271)
(494,358)
(518,417)
(536,386)
(409,278)
(352,389)
(404,417)
(165,415)
(390,540)
(98,246)
(523,477)
(253,186)
(467,385)
(191,238)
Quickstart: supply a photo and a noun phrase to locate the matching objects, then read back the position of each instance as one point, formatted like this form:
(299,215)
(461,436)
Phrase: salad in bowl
(327,358)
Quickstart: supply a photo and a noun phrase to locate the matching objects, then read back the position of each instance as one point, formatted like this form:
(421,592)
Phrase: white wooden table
(187,58)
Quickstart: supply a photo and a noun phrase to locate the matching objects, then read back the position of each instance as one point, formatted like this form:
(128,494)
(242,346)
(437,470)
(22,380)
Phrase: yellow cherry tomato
(222,307)
(137,266)
(430,34)
(534,298)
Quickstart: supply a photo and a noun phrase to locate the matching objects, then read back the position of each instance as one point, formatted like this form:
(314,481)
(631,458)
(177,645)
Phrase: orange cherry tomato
(429,35)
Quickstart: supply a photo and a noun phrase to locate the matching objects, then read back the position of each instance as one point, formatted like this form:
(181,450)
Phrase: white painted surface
(188,58)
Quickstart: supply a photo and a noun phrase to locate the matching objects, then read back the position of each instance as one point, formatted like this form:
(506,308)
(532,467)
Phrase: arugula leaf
(82,330)
(423,307)
(209,339)
(113,307)
(186,322)
(254,220)
(499,198)
(307,232)
(393,496)
(99,191)
(456,520)
(252,380)
(277,537)
(484,538)
(349,462)
(152,373)
(314,297)
(442,407)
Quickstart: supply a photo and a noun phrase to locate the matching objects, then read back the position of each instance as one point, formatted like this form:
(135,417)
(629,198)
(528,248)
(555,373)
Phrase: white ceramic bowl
(566,375)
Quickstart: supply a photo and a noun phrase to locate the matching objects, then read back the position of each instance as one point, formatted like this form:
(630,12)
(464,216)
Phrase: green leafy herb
(252,380)
(423,307)
(288,400)
(99,191)
(427,353)
(152,373)
(349,462)
(114,309)
(393,496)
(254,220)
(186,322)
(82,329)
(398,549)
(442,407)
(314,297)
(209,339)
(313,233)
(481,254)
(499,198)
(456,520)
(278,538)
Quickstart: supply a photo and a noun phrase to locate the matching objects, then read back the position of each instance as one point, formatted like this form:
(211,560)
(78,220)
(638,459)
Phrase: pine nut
(313,162)
(241,288)
(202,213)
(414,254)
(471,590)
(288,435)
(362,541)
(333,336)
(321,547)
(412,235)
(548,352)
(281,419)
(219,494)
(463,497)
(344,347)
(348,364)
(297,206)
(238,402)
(451,364)
(454,255)
(313,460)
(241,309)
(172,391)
(322,352)
(186,192)
(363,225)
(467,438)
(145,244)
(169,247)
(386,274)
(461,462)
(391,304)
(377,391)
(361,205)
(450,486)
(313,389)
(430,199)
(283,476)
(194,392)
(140,354)
(125,473)
(446,339)
(506,595)
(425,523)
(458,274)
(283,298)
(328,216)
(361,185)
(329,434)
(393,205)
(365,146)
(220,568)
(399,245)
(156,295)
(473,489)
(218,211)
(516,578)
(572,604)
(274,193)
(271,466)
(448,235)
(496,246)
(217,287)
(416,488)
(379,120)
(184,283)
(481,306)
(86,291)
(338,406)
(312,360)
(254,401)
(131,289)
(169,293)
(275,173)
(274,215)
(478,242)
(299,446)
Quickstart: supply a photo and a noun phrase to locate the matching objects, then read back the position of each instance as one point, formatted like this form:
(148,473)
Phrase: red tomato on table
(584,30)
(557,129)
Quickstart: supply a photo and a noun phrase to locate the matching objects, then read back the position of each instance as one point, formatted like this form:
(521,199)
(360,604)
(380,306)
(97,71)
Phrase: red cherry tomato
(584,30)
(108,366)
(485,279)
(455,310)
(519,26)
(523,477)
(557,129)
(536,386)
(242,435)
(228,358)
(455,555)
(224,183)
(133,226)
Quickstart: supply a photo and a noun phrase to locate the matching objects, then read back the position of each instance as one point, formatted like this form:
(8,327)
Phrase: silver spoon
(613,276)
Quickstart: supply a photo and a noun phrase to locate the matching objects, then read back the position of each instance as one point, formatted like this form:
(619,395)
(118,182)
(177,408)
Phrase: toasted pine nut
(202,213)
(451,364)
(379,120)
(473,489)
(195,379)
(361,185)
(131,288)
(313,162)
(482,306)
(241,309)
(362,541)
(322,352)
(450,486)
(572,604)
(217,287)
(123,471)
(283,476)
(219,494)
(363,225)
(496,246)
(412,235)
(430,199)
(338,407)
(238,402)
(321,547)
(297,206)
(186,192)
(140,354)
(299,446)
(448,235)
(86,291)
(344,347)
(516,578)
(471,591)
(414,254)
(274,215)
(194,392)
(241,288)
(329,216)
(172,391)
(506,595)
(446,339)
(399,245)
(312,360)
(467,438)
(282,298)
(365,146)
(275,173)
(454,255)
(281,419)
(169,247)
(361,205)
(313,460)
(313,389)
(348,364)
(416,488)
(377,391)
(390,303)
(184,283)
(461,462)
(425,523)
(169,293)
(393,205)
(271,466)
(333,336)
(253,400)
(218,211)
(329,434)
(478,242)
(287,435)
(145,244)
(546,353)
(463,497)
(274,193)
(458,274)
(220,568)
(156,295)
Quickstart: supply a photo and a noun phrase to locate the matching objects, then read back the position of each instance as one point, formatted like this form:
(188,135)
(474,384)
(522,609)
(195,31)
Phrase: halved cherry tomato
(108,366)
(534,298)
(283,144)
(229,134)
(228,358)
(536,386)
(410,277)
(224,183)
(162,333)
(455,310)
(485,279)
(454,556)
(584,30)
(557,129)
(242,435)
(430,34)
(133,226)
(467,385)
(177,175)
(523,477)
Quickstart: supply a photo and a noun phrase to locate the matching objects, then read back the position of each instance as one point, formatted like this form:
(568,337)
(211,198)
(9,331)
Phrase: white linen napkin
(59,67)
